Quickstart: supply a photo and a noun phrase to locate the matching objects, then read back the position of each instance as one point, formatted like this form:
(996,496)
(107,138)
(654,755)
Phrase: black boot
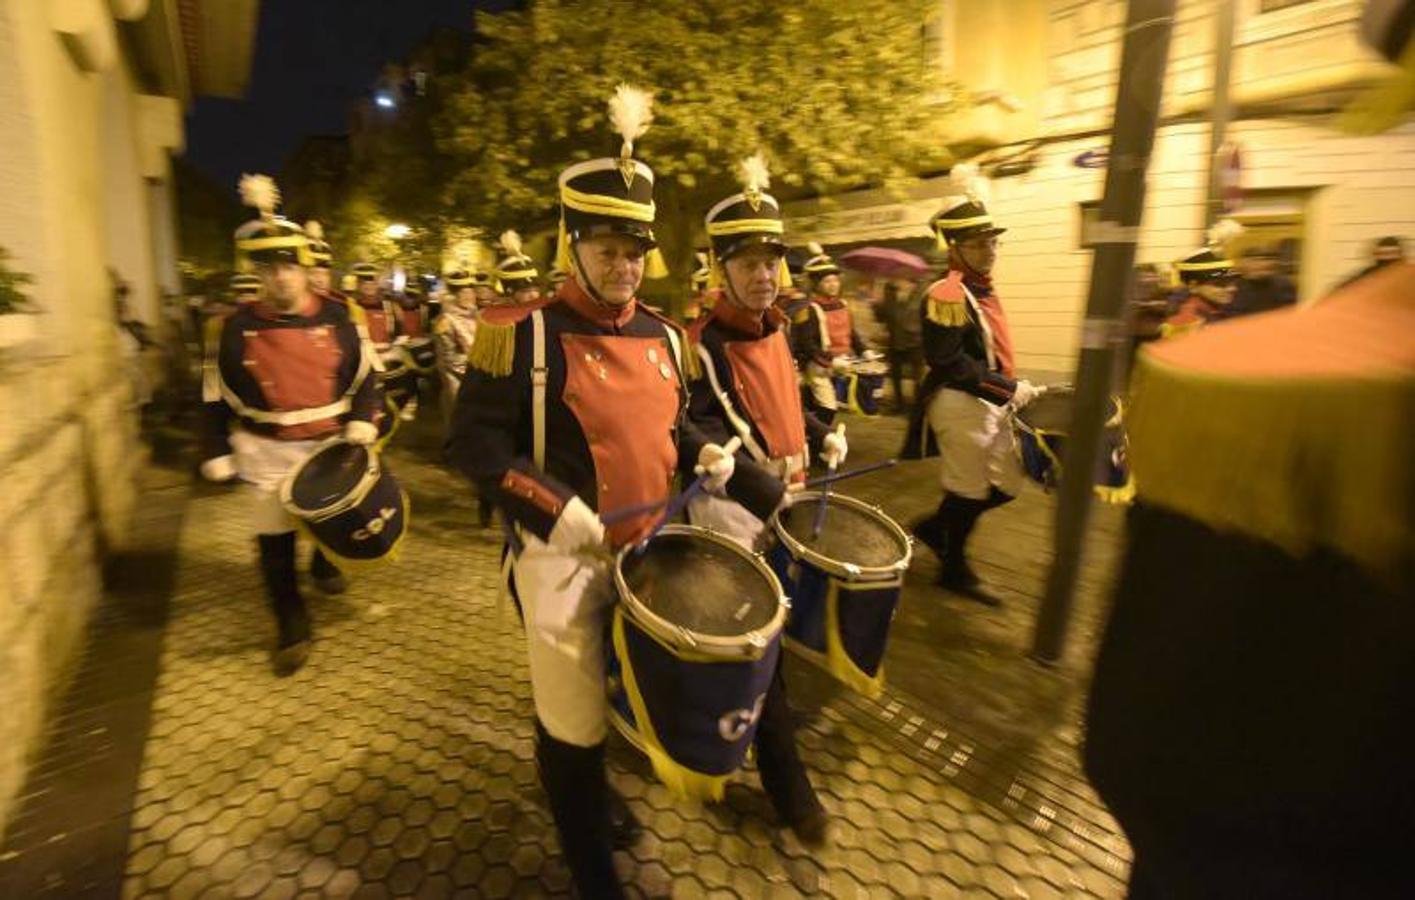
(783,774)
(277,565)
(326,575)
(624,827)
(929,530)
(960,516)
(578,794)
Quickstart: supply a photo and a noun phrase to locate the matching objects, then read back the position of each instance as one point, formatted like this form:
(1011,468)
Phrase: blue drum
(1041,430)
(695,641)
(351,505)
(844,585)
(862,388)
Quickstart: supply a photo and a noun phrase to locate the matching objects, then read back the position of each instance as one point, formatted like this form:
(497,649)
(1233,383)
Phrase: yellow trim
(598,204)
(680,780)
(745,226)
(494,349)
(946,224)
(950,314)
(363,565)
(654,265)
(840,663)
(274,243)
(1203,267)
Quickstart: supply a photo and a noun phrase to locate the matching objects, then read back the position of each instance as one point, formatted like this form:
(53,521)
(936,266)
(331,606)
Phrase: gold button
(589,357)
(653,355)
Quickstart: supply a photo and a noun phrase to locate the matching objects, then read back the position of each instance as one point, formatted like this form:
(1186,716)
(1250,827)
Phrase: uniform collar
(601,314)
(264,309)
(743,320)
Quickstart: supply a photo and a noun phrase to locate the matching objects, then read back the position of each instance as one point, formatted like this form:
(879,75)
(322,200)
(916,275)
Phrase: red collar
(972,277)
(602,314)
(739,318)
(828,302)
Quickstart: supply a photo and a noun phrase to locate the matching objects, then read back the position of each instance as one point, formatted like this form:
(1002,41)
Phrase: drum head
(329,475)
(1050,412)
(853,535)
(702,585)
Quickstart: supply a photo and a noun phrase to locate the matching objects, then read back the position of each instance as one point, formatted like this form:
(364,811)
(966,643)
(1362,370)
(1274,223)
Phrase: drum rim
(729,648)
(1116,419)
(350,500)
(847,571)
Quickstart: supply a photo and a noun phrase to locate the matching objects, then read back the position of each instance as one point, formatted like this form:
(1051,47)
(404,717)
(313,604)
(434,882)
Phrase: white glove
(219,468)
(360,432)
(577,528)
(840,365)
(873,356)
(835,448)
(1025,393)
(718,463)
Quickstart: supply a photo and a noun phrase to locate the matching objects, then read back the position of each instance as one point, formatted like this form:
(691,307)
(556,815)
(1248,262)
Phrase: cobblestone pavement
(399,761)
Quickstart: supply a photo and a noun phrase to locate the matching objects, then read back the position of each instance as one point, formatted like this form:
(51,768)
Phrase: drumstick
(824,500)
(676,505)
(852,473)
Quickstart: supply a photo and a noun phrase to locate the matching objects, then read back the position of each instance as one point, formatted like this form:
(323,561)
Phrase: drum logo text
(733,725)
(376,525)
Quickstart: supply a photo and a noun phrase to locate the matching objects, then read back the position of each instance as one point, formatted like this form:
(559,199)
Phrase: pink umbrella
(885,261)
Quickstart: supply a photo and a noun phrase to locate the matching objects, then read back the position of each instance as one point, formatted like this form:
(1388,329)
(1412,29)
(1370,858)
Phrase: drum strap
(539,375)
(739,424)
(818,315)
(284,417)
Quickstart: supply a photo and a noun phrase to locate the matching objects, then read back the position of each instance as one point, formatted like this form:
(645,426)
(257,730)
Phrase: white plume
(511,242)
(815,249)
(967,179)
(259,192)
(754,172)
(314,230)
(1223,231)
(630,112)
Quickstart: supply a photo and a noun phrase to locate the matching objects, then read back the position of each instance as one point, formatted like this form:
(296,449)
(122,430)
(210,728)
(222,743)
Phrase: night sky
(311,58)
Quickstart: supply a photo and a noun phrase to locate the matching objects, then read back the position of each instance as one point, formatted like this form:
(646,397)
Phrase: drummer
(322,272)
(290,369)
(700,298)
(1210,280)
(823,334)
(961,414)
(577,407)
(749,390)
(411,310)
(516,275)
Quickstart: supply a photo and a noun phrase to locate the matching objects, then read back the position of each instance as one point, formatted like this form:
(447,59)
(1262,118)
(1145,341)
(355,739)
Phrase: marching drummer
(1210,279)
(749,390)
(961,414)
(575,408)
(516,275)
(290,369)
(322,272)
(823,334)
(701,298)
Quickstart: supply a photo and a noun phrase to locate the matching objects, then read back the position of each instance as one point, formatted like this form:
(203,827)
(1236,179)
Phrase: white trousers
(565,602)
(263,463)
(976,444)
(822,388)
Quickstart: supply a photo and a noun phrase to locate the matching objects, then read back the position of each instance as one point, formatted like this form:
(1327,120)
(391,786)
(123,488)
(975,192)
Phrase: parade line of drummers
(663,489)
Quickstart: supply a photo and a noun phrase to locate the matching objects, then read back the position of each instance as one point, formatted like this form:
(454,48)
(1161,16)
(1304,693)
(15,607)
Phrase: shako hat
(965,212)
(268,238)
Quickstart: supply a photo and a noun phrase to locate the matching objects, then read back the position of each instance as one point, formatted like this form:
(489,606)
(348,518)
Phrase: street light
(397,231)
(384,100)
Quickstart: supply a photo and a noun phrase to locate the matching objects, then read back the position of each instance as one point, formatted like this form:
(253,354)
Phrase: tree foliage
(837,94)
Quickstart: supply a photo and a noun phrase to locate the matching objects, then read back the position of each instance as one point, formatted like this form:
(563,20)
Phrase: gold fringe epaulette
(947,305)
(494,350)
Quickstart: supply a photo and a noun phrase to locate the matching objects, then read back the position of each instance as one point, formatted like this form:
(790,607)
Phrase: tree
(837,94)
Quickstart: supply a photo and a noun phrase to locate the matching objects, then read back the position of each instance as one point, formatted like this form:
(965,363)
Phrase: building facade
(92,97)
(1043,74)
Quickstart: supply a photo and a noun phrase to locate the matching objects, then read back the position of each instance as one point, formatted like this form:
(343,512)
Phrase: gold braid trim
(948,313)
(494,350)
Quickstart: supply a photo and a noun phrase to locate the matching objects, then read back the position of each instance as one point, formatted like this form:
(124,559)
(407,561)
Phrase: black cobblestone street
(399,761)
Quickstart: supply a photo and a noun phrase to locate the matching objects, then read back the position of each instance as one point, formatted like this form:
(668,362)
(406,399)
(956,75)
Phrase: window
(1090,215)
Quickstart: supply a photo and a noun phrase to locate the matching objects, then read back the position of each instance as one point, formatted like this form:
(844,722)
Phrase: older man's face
(613,264)
(286,284)
(753,275)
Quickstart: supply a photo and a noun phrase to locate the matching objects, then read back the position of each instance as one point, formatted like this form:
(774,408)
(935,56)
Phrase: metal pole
(1143,58)
(1222,112)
